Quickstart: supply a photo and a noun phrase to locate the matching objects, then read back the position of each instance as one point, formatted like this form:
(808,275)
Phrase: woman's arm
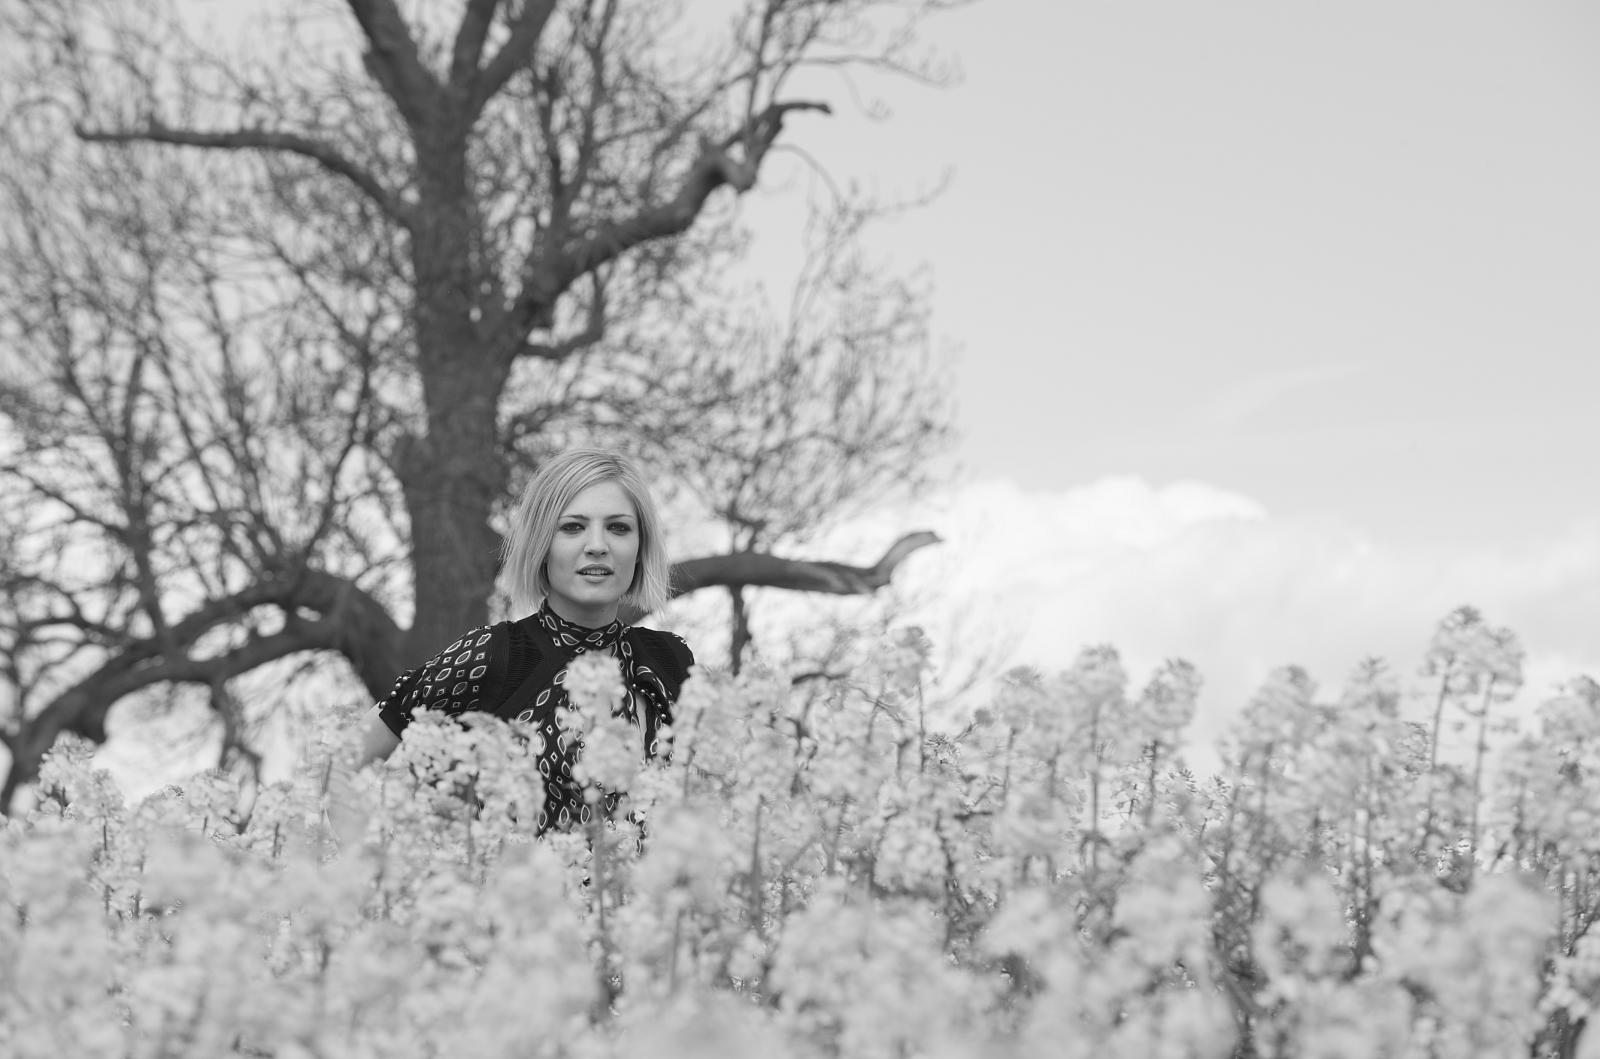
(377,740)
(452,681)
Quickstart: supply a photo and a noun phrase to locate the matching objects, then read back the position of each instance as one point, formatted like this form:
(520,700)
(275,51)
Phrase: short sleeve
(681,652)
(667,656)
(454,681)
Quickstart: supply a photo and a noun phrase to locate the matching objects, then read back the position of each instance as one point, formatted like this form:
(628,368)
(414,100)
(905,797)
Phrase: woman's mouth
(594,571)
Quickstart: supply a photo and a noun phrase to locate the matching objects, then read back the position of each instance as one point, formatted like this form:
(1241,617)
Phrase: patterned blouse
(517,671)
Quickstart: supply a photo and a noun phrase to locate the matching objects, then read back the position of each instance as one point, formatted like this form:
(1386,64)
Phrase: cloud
(1192,571)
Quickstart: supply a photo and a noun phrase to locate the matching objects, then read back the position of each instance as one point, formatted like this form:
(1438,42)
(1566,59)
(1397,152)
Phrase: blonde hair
(533,527)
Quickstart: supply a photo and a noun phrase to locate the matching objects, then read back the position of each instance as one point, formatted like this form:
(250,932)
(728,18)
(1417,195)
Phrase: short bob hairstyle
(533,527)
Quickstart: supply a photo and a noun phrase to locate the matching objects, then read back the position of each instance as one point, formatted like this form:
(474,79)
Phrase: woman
(584,541)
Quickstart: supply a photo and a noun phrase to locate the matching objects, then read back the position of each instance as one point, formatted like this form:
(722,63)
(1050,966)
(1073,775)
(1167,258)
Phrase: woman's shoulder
(472,641)
(666,648)
(487,656)
(456,679)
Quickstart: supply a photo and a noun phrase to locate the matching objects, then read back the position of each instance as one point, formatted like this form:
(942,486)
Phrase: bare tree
(283,328)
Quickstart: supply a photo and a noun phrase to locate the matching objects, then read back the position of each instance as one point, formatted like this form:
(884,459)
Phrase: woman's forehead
(607,499)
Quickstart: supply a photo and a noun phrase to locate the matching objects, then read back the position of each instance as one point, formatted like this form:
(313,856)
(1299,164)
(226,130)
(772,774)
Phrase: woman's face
(591,559)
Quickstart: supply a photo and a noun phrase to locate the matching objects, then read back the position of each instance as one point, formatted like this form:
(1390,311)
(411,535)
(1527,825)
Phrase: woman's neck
(586,617)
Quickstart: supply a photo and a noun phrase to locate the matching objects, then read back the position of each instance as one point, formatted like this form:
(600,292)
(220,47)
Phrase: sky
(1340,257)
(1277,326)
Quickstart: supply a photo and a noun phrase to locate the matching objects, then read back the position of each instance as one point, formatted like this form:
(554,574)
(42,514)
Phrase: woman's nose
(595,544)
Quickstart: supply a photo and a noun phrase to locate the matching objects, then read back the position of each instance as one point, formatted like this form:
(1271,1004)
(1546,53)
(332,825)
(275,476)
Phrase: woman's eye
(621,528)
(572,527)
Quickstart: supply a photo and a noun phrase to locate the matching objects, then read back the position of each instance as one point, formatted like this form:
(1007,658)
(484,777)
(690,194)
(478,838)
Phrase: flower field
(821,869)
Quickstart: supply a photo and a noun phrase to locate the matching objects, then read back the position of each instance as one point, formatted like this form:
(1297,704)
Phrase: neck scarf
(645,701)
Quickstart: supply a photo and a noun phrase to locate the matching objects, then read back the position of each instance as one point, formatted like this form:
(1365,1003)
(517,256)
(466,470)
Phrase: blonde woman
(584,541)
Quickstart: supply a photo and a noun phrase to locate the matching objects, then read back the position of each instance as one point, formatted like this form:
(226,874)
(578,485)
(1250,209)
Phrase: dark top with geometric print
(484,670)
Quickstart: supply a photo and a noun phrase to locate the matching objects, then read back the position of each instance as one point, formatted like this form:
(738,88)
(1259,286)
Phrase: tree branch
(517,50)
(800,575)
(716,166)
(468,46)
(324,154)
(352,622)
(83,708)
(594,331)
(392,59)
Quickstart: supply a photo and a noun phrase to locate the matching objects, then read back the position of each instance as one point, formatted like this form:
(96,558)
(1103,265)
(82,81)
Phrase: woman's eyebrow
(603,518)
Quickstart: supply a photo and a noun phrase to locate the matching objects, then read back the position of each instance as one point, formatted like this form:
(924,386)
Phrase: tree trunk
(450,480)
(454,472)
